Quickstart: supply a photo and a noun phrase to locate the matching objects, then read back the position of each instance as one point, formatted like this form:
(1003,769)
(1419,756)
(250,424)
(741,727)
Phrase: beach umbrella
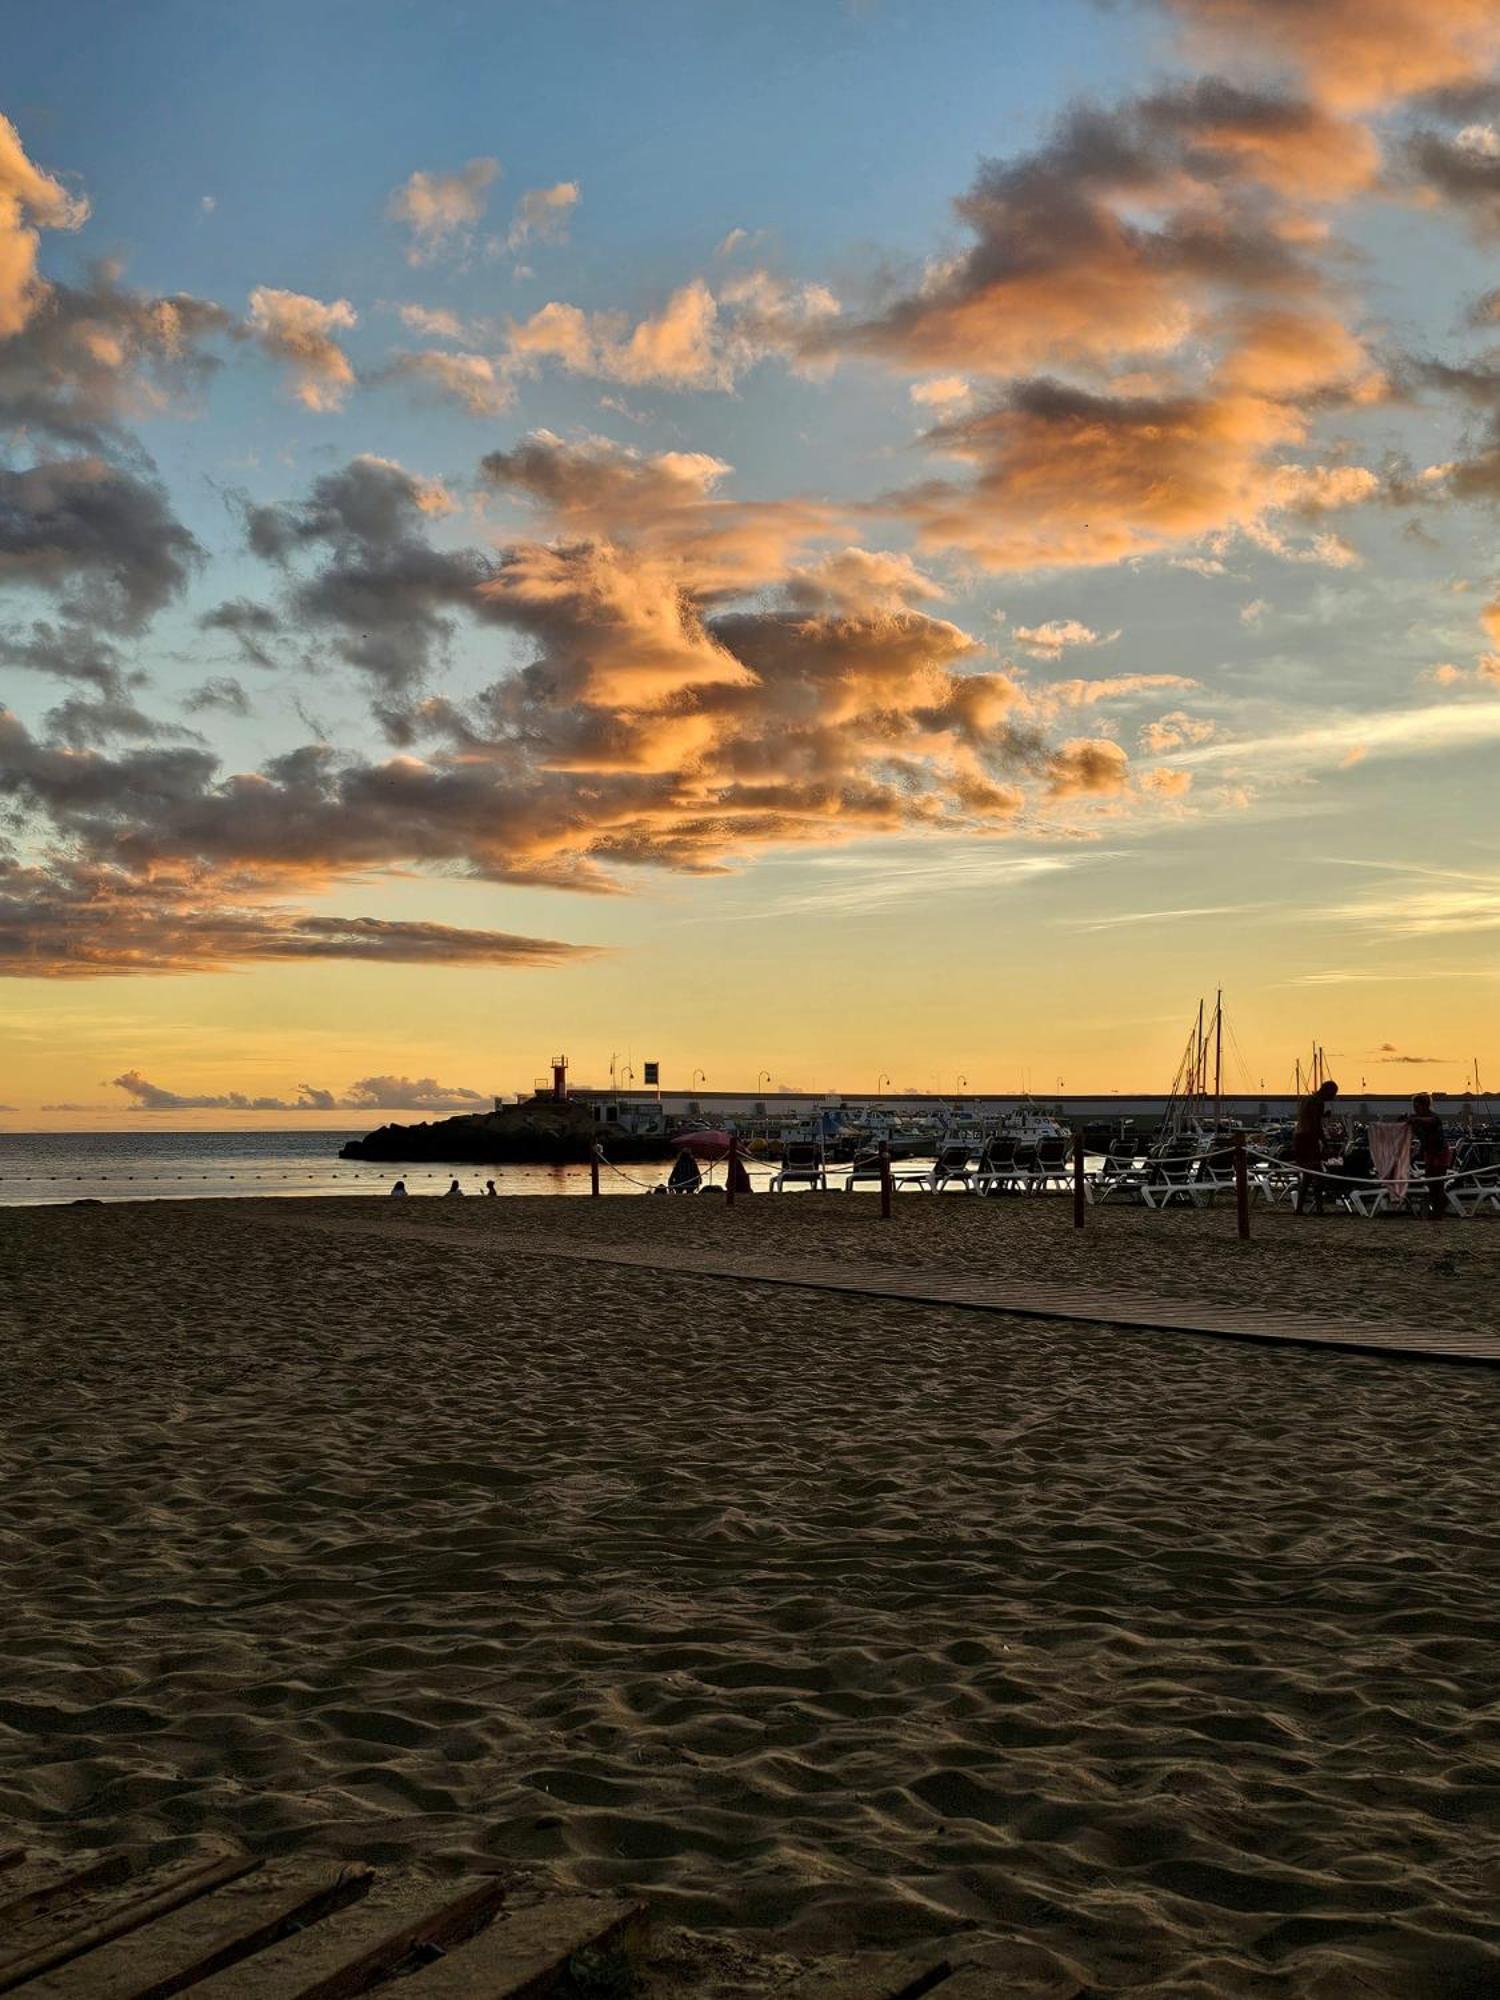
(703,1145)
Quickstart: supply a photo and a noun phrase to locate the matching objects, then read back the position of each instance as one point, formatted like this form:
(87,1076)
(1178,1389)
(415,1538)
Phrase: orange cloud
(471,380)
(300,331)
(440,210)
(542,215)
(1065,476)
(1354,54)
(29,200)
(697,341)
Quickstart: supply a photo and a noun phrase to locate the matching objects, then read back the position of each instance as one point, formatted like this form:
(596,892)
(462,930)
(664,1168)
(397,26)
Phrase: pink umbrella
(703,1145)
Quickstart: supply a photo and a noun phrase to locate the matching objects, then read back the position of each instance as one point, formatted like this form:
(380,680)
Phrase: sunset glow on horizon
(830,541)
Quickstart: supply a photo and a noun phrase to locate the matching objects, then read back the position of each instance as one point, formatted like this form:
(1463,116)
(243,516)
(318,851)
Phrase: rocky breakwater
(540,1130)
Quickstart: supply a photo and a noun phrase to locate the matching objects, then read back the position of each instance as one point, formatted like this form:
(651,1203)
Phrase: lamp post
(880,1082)
(696,1074)
(960,1084)
(761,1076)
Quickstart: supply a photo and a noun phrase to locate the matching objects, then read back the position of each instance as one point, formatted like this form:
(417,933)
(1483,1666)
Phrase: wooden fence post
(731,1167)
(594,1170)
(885,1181)
(1241,1188)
(1080,1185)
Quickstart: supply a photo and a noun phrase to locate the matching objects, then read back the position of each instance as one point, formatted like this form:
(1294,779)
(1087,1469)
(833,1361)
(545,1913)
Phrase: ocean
(154,1166)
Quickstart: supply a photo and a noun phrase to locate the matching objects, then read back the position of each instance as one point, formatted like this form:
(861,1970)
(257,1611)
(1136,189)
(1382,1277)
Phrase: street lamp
(761,1076)
(880,1082)
(696,1074)
(960,1083)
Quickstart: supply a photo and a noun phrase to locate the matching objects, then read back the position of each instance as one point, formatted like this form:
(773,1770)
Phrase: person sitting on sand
(1434,1154)
(399,1188)
(685,1177)
(490,1188)
(453,1189)
(1310,1144)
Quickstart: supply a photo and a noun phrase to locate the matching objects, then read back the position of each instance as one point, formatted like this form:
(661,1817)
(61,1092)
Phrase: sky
(838,540)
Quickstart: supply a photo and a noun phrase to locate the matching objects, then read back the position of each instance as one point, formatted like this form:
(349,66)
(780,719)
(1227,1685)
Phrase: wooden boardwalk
(924,1285)
(221,1924)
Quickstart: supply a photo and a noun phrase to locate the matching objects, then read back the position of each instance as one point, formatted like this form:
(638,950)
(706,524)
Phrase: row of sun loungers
(1013,1166)
(1004,1166)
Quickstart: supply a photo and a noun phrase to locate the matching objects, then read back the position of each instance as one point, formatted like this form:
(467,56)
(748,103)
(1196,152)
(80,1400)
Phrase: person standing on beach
(1310,1144)
(1433,1152)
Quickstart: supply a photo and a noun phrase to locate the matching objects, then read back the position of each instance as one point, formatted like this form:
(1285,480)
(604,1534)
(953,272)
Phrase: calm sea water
(147,1166)
(162,1166)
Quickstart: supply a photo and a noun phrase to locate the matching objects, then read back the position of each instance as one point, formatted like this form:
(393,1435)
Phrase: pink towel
(1390,1149)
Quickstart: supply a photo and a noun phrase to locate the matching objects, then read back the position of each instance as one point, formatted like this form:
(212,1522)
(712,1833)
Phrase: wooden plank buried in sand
(42,1885)
(349,1951)
(527,1956)
(71,1929)
(1128,1309)
(978,1982)
(892,1975)
(202,1937)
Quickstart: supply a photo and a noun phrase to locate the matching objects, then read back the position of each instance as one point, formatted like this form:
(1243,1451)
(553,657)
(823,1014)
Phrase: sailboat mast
(1218,1053)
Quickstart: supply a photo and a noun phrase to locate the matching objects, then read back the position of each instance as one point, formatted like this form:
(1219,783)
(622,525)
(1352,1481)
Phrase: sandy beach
(1151,1664)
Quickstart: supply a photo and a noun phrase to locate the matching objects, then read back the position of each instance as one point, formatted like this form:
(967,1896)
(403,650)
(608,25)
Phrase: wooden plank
(100,1916)
(894,1975)
(527,1956)
(1129,1309)
(45,1885)
(350,1950)
(202,1937)
(980,1982)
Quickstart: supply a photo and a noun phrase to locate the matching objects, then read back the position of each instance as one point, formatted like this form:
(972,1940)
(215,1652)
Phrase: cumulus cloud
(383,590)
(92,356)
(73,919)
(1463,170)
(439,210)
(1353,54)
(683,679)
(1119,237)
(369,1093)
(1176,730)
(220,691)
(100,539)
(698,340)
(472,381)
(1065,475)
(30,199)
(249,625)
(300,331)
(543,214)
(1090,767)
(1050,640)
(433,322)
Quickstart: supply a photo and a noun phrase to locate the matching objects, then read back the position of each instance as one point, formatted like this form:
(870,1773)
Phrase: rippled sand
(1162,1664)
